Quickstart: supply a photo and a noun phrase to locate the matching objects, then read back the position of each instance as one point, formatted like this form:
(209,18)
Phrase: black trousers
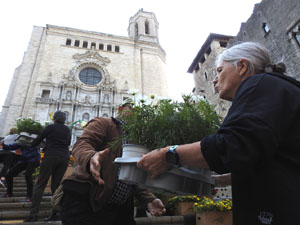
(77,210)
(15,170)
(54,166)
(9,159)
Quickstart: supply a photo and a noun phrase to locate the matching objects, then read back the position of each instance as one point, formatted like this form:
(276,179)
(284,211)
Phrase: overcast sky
(183,28)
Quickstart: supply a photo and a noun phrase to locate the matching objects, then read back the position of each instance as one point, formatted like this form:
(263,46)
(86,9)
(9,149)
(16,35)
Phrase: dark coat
(259,143)
(58,139)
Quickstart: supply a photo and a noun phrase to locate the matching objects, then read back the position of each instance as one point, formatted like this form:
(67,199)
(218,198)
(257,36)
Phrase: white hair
(256,54)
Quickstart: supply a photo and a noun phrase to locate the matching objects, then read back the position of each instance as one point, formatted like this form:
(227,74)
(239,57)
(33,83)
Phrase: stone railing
(44,100)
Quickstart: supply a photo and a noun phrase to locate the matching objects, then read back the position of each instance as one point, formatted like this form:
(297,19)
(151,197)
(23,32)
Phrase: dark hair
(59,117)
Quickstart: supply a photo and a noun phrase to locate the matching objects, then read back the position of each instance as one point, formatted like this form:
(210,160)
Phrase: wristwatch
(172,157)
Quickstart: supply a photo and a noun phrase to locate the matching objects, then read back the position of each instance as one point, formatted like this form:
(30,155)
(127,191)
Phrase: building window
(68,42)
(117,49)
(202,60)
(85,44)
(205,74)
(105,115)
(93,45)
(77,42)
(45,93)
(297,38)
(147,27)
(223,44)
(136,29)
(208,50)
(101,46)
(90,76)
(108,47)
(266,28)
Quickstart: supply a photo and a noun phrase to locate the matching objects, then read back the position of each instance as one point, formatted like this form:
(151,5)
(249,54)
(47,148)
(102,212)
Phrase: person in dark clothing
(55,162)
(258,141)
(9,158)
(30,159)
(92,193)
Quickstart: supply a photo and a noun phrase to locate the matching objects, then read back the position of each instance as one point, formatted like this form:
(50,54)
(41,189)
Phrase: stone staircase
(14,209)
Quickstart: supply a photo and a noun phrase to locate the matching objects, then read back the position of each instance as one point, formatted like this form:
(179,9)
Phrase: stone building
(85,73)
(275,24)
(203,70)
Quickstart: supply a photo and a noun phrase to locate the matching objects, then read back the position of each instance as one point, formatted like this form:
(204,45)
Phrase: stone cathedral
(86,74)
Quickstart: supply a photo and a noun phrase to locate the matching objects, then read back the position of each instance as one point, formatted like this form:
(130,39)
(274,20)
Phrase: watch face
(171,157)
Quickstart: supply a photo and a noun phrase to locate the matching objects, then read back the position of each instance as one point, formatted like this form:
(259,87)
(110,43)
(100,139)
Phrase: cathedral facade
(86,74)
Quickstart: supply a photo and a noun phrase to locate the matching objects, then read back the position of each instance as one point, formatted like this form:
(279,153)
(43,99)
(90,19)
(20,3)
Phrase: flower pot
(25,139)
(181,181)
(214,218)
(184,208)
(134,151)
(129,173)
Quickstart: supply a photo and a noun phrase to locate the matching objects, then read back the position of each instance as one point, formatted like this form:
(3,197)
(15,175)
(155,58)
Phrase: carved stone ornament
(91,56)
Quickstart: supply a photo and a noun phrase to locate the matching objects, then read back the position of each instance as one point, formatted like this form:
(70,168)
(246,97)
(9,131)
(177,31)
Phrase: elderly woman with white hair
(258,141)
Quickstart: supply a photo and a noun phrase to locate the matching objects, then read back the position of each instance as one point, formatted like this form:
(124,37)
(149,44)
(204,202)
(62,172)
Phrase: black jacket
(58,139)
(259,143)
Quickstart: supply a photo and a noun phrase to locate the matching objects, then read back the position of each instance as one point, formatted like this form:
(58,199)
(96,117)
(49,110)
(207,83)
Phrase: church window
(85,44)
(147,27)
(77,42)
(90,76)
(86,117)
(68,42)
(205,74)
(108,47)
(117,49)
(136,29)
(104,115)
(45,93)
(101,46)
(93,45)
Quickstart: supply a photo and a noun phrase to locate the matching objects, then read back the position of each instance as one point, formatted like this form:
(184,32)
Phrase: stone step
(14,215)
(15,188)
(20,222)
(20,194)
(19,206)
(18,199)
(163,220)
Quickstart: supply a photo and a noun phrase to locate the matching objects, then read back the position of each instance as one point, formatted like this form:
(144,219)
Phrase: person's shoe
(2,183)
(31,219)
(27,199)
(6,195)
(53,217)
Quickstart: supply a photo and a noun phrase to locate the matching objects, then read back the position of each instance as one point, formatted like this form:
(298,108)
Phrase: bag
(57,197)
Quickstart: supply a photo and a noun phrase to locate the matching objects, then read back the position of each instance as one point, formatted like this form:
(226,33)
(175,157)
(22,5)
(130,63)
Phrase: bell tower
(143,26)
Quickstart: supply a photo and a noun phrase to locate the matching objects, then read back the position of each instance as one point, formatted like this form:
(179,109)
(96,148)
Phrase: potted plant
(29,126)
(170,122)
(156,123)
(209,212)
(183,205)
(28,130)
